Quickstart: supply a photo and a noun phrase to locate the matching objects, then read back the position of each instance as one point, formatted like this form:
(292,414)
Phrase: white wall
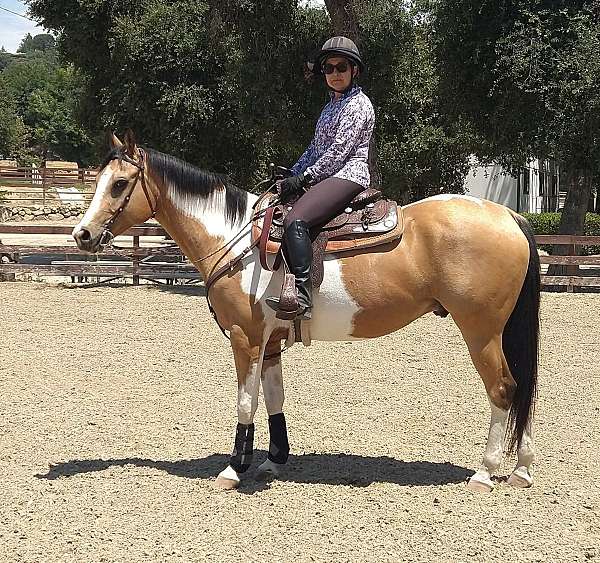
(493,183)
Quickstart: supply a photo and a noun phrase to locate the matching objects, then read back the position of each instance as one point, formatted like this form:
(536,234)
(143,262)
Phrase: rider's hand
(292,186)
(283,173)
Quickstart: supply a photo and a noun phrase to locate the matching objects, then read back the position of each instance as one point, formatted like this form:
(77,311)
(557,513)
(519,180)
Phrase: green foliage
(41,118)
(525,75)
(548,224)
(12,129)
(221,84)
(40,42)
(418,153)
(5,59)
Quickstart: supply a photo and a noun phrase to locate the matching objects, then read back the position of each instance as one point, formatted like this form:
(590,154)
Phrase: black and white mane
(188,181)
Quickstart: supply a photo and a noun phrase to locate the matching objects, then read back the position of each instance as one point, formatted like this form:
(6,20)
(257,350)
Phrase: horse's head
(122,198)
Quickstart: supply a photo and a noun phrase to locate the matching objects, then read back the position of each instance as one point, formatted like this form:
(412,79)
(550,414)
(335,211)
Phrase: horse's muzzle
(88,242)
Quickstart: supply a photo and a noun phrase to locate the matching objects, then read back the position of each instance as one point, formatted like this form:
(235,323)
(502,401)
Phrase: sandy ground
(118,410)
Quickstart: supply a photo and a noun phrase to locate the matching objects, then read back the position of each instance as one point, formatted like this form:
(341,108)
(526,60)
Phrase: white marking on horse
(210,212)
(448,197)
(494,450)
(334,308)
(95,205)
(272,384)
(248,395)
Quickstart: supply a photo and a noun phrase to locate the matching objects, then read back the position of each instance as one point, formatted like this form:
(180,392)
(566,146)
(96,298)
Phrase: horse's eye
(118,187)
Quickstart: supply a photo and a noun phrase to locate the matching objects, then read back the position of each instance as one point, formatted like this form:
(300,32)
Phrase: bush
(548,224)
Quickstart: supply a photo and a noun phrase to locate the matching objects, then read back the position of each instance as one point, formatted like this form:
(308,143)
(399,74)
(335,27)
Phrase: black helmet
(341,46)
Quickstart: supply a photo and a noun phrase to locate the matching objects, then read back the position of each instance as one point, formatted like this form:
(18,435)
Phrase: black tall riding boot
(298,252)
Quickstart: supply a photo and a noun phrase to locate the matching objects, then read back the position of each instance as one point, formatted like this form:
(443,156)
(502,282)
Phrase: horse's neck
(200,227)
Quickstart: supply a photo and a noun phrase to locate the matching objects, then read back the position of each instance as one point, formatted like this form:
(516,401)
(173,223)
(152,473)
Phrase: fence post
(572,269)
(136,259)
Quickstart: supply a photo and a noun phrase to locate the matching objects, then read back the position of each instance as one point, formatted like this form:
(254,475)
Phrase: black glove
(292,186)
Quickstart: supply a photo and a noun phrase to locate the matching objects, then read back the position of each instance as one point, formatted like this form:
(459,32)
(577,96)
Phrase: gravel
(118,411)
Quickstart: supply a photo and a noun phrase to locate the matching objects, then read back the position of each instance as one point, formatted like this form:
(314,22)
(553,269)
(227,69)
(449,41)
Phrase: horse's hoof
(224,484)
(480,486)
(268,470)
(520,480)
(227,480)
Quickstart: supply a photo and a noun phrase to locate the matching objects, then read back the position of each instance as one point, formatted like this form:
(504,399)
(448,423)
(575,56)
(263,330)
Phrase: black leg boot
(298,251)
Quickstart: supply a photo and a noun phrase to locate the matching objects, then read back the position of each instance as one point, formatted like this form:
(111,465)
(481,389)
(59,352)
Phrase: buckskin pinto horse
(474,258)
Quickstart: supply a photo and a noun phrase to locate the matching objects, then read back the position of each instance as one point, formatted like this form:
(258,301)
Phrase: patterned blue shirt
(340,147)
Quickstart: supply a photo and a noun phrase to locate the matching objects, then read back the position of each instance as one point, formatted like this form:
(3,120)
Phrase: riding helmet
(341,46)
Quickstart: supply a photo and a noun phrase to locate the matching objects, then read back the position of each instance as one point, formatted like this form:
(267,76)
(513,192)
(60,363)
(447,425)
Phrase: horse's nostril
(85,235)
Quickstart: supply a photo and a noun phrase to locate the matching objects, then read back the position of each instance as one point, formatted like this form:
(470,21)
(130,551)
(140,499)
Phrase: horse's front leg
(272,384)
(247,359)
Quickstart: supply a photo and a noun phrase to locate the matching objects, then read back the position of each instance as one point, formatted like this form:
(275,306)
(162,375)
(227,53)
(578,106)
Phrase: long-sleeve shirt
(340,147)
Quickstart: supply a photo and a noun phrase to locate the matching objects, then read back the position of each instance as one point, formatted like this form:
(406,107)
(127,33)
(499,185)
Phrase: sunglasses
(342,67)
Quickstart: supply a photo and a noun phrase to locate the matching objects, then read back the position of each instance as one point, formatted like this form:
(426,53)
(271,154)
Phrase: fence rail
(35,186)
(153,263)
(147,262)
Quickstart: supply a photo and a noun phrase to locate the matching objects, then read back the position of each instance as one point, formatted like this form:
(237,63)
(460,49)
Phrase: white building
(536,189)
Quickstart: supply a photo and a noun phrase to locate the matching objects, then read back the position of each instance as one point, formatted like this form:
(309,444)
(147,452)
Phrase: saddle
(368,221)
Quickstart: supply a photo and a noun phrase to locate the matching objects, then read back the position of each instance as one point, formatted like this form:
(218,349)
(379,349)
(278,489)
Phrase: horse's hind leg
(521,476)
(272,384)
(490,362)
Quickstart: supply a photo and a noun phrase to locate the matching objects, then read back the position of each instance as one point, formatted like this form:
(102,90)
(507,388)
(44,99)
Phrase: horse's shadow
(311,468)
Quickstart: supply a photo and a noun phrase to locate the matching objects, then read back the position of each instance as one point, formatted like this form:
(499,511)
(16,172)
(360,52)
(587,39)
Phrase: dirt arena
(118,410)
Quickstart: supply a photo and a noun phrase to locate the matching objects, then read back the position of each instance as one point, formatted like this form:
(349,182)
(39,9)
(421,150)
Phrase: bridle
(217,272)
(107,236)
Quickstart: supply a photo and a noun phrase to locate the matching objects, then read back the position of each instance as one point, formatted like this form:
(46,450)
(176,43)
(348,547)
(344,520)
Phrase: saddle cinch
(368,221)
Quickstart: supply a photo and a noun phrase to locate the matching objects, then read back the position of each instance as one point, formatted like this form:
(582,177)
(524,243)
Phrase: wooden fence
(573,276)
(46,186)
(153,263)
(166,262)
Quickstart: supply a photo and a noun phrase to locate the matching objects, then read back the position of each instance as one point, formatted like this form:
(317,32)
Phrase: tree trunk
(344,22)
(572,221)
(343,18)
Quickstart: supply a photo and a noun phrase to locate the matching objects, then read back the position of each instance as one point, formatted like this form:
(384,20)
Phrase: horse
(471,258)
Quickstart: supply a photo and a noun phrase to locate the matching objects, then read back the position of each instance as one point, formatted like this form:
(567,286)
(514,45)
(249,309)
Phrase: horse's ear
(113,140)
(130,146)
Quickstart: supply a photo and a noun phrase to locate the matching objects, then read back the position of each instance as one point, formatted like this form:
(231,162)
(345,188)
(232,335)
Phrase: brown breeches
(323,202)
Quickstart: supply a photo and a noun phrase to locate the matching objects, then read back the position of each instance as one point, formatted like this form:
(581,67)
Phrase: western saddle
(367,222)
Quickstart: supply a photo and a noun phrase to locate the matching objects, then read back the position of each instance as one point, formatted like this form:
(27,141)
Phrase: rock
(28,217)
(37,212)
(55,217)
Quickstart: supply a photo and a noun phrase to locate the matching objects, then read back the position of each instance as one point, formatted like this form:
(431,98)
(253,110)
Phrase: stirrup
(301,313)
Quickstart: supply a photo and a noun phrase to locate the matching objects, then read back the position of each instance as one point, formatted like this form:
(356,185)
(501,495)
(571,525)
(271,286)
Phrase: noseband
(107,237)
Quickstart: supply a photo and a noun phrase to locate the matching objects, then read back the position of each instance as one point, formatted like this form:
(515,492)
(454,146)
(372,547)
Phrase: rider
(334,167)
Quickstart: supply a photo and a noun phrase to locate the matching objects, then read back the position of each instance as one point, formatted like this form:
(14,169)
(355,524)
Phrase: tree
(217,83)
(40,42)
(525,76)
(12,129)
(220,83)
(45,99)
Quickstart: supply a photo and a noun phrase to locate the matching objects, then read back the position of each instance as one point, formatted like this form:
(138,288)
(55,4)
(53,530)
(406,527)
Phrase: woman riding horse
(333,169)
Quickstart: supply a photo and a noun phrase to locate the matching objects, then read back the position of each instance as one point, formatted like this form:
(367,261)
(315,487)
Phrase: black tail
(520,343)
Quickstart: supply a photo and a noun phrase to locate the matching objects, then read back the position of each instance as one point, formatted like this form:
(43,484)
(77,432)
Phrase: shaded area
(310,468)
